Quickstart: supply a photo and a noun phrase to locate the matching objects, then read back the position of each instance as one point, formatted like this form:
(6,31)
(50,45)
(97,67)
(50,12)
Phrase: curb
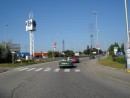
(127,70)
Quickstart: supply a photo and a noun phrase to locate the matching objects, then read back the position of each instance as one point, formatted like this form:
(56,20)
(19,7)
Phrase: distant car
(66,63)
(92,57)
(74,59)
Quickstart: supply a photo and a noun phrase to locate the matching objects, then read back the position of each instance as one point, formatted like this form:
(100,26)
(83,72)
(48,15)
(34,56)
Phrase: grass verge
(109,62)
(25,63)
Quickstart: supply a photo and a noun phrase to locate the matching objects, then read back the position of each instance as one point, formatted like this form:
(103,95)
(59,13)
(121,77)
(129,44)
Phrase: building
(41,54)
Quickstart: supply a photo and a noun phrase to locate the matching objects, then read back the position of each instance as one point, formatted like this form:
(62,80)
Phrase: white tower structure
(31,27)
(54,46)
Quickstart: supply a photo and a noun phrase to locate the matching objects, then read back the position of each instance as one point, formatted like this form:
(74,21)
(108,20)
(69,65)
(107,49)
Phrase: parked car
(66,63)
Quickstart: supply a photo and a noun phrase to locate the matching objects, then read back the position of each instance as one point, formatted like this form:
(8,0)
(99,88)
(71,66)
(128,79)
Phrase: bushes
(119,59)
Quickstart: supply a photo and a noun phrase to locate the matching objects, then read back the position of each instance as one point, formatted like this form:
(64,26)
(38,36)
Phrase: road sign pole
(128,39)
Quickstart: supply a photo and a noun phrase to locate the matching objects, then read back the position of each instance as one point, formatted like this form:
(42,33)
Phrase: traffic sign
(97,46)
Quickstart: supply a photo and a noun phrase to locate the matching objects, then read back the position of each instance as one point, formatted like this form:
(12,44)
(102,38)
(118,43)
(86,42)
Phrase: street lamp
(91,50)
(127,25)
(94,12)
(5,35)
(91,41)
(128,40)
(97,46)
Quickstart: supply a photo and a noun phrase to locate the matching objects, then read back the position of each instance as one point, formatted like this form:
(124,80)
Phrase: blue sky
(68,20)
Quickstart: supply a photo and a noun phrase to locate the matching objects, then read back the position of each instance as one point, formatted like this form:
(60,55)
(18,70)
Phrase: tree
(53,54)
(120,49)
(87,51)
(69,53)
(50,54)
(5,55)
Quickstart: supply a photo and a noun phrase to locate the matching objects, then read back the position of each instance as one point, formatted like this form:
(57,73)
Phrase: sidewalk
(119,75)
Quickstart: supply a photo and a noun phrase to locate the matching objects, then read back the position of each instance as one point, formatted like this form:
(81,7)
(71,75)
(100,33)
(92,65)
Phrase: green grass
(15,65)
(109,62)
(24,63)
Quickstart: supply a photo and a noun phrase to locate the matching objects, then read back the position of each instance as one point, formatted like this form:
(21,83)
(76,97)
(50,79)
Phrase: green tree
(50,54)
(111,48)
(122,47)
(5,55)
(87,51)
(54,54)
(69,53)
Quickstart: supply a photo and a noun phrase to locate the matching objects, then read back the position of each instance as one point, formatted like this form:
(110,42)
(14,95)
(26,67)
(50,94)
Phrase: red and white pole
(54,46)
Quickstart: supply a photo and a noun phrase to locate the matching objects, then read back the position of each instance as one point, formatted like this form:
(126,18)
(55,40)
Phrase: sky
(70,20)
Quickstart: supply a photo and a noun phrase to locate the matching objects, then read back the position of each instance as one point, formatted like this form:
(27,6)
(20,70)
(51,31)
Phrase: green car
(66,63)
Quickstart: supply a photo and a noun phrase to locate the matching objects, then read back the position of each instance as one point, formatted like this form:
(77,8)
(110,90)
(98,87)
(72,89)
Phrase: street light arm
(94,12)
(6,25)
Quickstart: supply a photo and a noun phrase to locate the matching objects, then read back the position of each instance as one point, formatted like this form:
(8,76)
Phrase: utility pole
(127,24)
(97,46)
(128,40)
(6,35)
(63,42)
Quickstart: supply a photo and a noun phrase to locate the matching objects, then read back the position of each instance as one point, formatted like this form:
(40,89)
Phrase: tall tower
(54,46)
(31,27)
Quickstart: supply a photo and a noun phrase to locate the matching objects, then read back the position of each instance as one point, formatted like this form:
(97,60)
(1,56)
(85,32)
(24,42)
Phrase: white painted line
(30,69)
(56,70)
(67,70)
(47,69)
(18,68)
(39,69)
(23,69)
(77,70)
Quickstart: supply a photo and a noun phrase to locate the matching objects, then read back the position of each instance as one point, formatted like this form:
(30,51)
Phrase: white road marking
(18,68)
(30,69)
(77,70)
(39,69)
(67,70)
(23,69)
(56,70)
(47,69)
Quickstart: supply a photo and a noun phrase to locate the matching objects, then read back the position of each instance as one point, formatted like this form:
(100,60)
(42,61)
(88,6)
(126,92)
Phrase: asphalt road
(87,80)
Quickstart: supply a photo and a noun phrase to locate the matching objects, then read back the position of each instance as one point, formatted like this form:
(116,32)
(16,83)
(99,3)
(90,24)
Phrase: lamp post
(97,46)
(5,35)
(128,40)
(127,25)
(94,12)
(91,41)
(91,50)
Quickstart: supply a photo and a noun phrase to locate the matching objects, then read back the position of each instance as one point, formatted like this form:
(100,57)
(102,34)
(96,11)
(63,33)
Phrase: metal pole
(97,33)
(91,40)
(91,54)
(97,28)
(5,35)
(96,25)
(128,40)
(127,25)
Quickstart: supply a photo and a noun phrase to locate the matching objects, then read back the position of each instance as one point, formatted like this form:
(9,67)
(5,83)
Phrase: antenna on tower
(30,15)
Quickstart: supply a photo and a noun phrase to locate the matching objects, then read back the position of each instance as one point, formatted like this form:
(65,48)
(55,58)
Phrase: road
(87,80)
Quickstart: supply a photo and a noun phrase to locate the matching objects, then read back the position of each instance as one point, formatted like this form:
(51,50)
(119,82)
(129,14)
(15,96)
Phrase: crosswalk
(47,69)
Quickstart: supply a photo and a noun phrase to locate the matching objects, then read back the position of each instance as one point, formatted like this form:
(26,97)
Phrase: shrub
(119,59)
